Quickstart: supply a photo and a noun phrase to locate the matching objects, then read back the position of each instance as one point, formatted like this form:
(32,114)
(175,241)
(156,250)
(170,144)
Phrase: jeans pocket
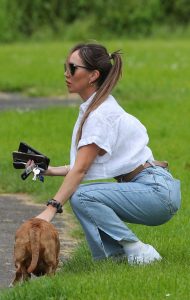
(174,194)
(166,187)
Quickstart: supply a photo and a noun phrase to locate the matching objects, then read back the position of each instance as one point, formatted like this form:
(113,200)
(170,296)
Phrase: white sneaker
(146,256)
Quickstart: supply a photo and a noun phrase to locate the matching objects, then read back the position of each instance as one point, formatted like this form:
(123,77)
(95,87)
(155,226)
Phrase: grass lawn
(155,88)
(153,69)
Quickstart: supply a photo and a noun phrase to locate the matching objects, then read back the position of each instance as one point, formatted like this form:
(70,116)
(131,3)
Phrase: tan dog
(36,249)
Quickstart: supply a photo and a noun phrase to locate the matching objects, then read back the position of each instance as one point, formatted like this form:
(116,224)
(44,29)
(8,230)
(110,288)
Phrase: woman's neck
(85,96)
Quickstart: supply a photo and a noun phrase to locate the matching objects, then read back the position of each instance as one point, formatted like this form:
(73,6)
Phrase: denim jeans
(104,208)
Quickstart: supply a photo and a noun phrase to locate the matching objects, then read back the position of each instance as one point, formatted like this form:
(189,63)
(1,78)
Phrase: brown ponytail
(96,57)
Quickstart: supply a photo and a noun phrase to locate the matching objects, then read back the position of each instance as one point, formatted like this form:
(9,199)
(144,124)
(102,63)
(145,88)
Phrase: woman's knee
(84,196)
(77,200)
(81,198)
(74,200)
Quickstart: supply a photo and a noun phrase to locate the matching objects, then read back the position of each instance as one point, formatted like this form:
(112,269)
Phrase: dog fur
(36,249)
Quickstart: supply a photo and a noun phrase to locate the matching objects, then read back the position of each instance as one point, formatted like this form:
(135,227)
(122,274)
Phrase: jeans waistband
(129,176)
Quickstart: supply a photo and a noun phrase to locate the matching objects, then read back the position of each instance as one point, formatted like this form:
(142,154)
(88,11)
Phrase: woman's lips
(68,83)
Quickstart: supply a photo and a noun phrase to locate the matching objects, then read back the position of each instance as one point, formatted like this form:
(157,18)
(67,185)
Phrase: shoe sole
(144,259)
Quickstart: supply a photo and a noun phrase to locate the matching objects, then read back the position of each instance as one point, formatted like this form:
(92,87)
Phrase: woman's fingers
(29,163)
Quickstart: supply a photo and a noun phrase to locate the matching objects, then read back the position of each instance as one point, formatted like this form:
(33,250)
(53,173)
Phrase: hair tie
(110,55)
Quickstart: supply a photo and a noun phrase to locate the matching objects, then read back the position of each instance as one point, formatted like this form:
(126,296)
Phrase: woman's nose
(66,73)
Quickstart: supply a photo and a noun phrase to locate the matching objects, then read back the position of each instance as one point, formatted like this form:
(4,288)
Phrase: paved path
(20,102)
(14,209)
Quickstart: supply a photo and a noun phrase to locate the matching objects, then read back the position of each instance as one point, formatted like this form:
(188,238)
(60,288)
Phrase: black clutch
(26,153)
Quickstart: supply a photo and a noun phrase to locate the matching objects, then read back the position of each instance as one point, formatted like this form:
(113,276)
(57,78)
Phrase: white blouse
(120,134)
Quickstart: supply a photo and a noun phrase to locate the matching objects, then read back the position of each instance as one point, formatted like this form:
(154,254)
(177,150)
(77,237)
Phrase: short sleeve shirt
(121,135)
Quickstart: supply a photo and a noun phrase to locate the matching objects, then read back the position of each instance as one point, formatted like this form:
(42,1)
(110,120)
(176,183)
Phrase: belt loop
(151,162)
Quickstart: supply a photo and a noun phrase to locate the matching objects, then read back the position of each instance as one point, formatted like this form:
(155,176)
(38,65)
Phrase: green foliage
(42,19)
(7,28)
(129,17)
(177,11)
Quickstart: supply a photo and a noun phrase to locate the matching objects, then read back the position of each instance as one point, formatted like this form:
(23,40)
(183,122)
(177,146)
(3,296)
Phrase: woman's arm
(57,171)
(84,159)
(51,171)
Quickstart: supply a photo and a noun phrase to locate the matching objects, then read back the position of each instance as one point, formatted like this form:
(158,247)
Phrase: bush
(176,11)
(128,17)
(7,30)
(25,19)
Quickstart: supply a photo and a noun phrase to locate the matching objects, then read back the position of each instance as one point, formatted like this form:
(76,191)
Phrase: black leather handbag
(26,153)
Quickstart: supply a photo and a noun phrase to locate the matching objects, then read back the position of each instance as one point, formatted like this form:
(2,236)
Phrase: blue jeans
(151,198)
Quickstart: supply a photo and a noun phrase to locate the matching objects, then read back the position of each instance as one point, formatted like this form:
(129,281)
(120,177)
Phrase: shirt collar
(84,105)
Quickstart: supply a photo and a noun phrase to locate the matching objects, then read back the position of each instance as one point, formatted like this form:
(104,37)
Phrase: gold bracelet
(68,169)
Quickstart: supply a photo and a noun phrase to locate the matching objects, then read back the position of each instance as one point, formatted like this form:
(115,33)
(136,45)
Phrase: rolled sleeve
(97,130)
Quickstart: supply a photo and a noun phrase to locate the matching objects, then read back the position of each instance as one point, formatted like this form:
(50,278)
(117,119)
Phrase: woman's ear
(94,75)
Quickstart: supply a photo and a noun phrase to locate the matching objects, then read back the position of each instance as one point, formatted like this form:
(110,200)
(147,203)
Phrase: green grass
(158,94)
(50,131)
(47,130)
(81,278)
(153,69)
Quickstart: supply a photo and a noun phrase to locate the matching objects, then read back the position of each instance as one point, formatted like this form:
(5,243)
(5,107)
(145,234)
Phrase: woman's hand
(30,163)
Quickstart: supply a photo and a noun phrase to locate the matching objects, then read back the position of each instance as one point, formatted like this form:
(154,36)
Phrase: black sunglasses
(72,68)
